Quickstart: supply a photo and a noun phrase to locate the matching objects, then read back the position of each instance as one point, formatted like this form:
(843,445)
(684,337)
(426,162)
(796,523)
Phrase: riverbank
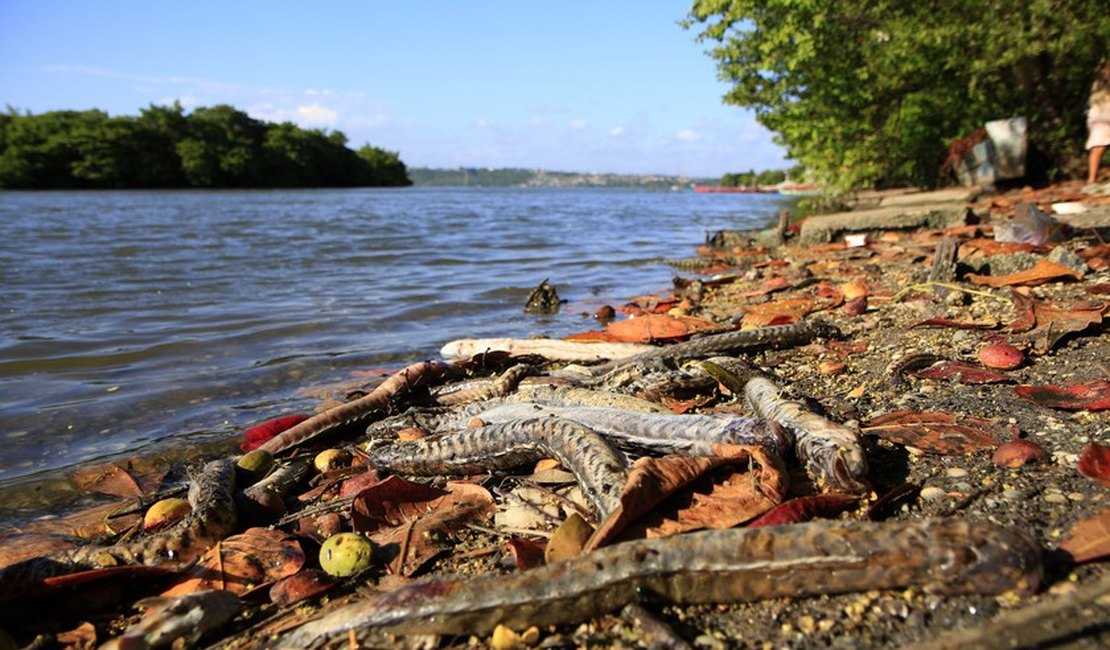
(912,334)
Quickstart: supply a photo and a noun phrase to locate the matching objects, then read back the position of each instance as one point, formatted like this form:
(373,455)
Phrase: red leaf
(941,433)
(526,552)
(962,372)
(806,508)
(1094,461)
(303,584)
(1089,539)
(1091,396)
(255,436)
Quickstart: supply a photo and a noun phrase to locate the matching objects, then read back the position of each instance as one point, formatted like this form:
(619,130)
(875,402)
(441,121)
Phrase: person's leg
(1094,159)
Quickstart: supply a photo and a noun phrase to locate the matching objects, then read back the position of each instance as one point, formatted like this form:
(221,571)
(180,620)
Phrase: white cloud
(686,135)
(578,124)
(482,122)
(616,131)
(317,114)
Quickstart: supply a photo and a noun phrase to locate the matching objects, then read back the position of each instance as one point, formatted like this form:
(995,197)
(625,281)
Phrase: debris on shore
(927,380)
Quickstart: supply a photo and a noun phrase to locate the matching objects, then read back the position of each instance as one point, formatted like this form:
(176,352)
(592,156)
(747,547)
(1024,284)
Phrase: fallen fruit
(346,554)
(1001,356)
(1017,453)
(253,466)
(331,459)
(165,512)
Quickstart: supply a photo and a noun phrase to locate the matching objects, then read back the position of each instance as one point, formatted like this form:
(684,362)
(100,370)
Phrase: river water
(135,321)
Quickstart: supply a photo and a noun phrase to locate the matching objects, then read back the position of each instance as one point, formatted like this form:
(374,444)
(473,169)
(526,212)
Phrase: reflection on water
(136,321)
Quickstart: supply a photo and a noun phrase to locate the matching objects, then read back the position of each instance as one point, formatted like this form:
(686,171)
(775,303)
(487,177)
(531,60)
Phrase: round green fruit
(346,554)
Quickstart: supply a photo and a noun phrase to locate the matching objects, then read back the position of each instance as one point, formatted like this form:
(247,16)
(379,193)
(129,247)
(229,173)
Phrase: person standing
(1098,122)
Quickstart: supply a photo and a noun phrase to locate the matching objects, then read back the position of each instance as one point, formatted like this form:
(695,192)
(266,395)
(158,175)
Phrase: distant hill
(515,177)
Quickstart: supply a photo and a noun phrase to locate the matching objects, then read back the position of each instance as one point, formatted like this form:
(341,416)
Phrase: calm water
(130,321)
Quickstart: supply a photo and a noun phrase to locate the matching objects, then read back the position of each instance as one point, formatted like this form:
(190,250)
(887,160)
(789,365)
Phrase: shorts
(1100,135)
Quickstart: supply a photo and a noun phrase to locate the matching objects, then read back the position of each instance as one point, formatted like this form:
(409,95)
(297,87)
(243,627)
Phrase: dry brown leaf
(755,483)
(403,517)
(107,479)
(1043,271)
(241,562)
(780,312)
(1089,539)
(941,433)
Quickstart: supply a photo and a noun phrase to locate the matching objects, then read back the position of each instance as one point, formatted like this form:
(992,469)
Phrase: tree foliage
(162,147)
(872,92)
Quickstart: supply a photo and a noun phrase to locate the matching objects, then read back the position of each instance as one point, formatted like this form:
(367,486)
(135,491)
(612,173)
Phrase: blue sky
(610,86)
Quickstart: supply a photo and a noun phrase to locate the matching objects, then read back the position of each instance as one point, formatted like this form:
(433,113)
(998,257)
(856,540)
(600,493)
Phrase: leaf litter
(932,439)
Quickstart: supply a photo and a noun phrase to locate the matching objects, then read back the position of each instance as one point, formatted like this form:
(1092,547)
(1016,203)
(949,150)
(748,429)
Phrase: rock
(543,300)
(1065,257)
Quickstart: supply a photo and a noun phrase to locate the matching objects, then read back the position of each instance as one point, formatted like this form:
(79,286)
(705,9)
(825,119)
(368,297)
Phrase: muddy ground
(870,370)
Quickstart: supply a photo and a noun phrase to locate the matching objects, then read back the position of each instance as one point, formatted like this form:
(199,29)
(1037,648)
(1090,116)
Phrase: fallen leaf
(680,406)
(403,518)
(658,327)
(255,436)
(962,372)
(107,479)
(241,562)
(592,336)
(806,508)
(357,483)
(770,285)
(1044,324)
(82,636)
(940,433)
(1094,462)
(527,553)
(1100,289)
(775,312)
(1043,271)
(1089,539)
(306,583)
(568,540)
(750,482)
(1089,396)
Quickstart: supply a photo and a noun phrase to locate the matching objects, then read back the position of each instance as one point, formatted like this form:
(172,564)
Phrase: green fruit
(253,466)
(346,554)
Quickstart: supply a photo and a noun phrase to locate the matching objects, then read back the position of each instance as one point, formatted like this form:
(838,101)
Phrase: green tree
(163,147)
(872,92)
(385,166)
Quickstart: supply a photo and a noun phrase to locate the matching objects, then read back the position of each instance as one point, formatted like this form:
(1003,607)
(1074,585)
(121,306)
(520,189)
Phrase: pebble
(932,493)
(1055,497)
(956,472)
(1013,495)
(1076,496)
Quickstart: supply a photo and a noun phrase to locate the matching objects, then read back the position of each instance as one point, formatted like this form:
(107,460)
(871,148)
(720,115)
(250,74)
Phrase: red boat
(717,189)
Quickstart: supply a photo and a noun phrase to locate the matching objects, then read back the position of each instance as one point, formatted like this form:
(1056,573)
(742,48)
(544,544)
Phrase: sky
(611,86)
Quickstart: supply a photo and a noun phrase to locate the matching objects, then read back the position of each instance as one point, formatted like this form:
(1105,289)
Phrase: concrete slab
(823,229)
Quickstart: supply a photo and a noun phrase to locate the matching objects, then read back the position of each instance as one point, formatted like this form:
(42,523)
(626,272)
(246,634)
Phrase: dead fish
(170,618)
